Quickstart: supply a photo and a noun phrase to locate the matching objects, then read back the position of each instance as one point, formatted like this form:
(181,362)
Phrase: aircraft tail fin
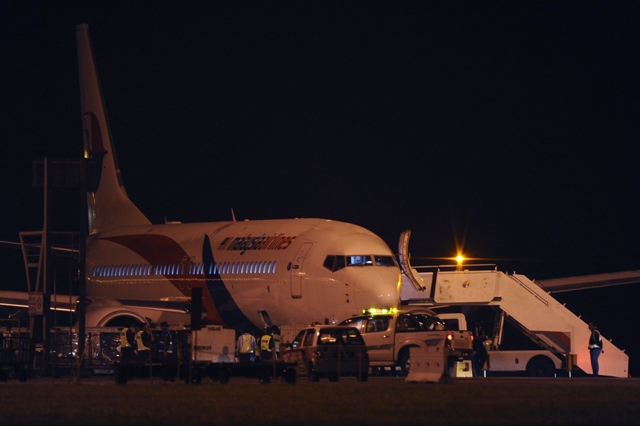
(109,205)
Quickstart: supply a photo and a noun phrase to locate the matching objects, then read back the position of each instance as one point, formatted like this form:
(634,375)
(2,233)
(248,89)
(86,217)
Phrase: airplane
(252,273)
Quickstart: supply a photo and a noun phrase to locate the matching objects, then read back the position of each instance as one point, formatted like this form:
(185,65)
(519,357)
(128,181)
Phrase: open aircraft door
(405,265)
(297,272)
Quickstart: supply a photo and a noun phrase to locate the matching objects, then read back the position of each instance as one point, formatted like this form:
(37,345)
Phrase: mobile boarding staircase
(536,312)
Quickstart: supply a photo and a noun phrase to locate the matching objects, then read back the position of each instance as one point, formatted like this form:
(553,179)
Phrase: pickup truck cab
(389,335)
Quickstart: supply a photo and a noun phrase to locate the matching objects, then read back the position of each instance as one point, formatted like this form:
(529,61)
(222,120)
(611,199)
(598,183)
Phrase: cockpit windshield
(336,262)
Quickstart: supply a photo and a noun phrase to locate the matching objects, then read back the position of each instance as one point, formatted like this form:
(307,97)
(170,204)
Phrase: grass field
(381,402)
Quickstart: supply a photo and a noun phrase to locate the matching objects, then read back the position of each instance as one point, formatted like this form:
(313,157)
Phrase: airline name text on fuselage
(250,242)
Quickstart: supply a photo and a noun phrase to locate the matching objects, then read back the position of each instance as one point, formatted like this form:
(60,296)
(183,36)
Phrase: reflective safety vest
(140,342)
(265,341)
(124,342)
(245,344)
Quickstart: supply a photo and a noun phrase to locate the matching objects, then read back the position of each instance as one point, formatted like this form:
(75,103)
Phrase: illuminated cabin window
(360,260)
(336,262)
(137,270)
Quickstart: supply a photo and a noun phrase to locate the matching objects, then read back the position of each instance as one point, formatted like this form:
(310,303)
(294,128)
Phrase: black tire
(405,363)
(540,366)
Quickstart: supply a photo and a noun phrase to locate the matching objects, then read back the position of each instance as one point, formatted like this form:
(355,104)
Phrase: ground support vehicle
(328,351)
(555,338)
(389,335)
(524,357)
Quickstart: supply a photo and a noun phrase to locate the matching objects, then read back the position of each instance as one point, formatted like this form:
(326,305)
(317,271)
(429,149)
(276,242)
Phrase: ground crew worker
(266,345)
(479,346)
(276,341)
(246,347)
(595,347)
(144,337)
(128,343)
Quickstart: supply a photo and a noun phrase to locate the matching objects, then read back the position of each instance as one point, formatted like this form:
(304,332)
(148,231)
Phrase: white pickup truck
(389,335)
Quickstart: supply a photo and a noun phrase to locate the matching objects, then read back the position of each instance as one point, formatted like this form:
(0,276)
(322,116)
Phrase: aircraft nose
(377,289)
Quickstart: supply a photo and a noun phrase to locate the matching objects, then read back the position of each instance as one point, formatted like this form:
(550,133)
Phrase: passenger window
(355,322)
(407,323)
(382,324)
(308,340)
(377,324)
(351,337)
(297,342)
(328,338)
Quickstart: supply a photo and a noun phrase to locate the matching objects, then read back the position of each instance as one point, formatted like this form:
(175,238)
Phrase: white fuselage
(246,269)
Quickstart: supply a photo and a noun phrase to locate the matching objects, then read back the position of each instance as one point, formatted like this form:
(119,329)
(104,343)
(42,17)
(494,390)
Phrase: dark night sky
(509,126)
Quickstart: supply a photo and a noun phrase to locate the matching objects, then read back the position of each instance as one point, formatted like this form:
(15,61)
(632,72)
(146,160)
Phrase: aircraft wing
(586,282)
